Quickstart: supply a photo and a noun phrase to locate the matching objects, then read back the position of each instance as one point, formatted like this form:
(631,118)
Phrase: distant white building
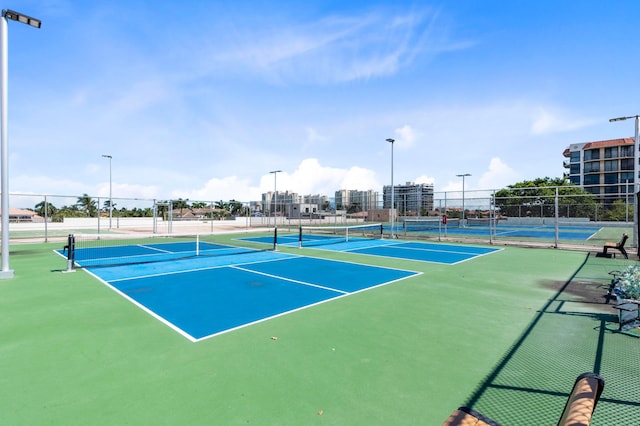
(348,199)
(410,198)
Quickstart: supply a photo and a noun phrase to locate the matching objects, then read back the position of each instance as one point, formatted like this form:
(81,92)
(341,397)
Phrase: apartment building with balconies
(603,168)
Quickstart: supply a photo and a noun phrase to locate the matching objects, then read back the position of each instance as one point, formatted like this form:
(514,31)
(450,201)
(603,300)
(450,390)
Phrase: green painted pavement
(489,331)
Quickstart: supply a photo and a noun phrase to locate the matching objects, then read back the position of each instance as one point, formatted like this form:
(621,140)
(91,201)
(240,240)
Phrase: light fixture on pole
(110,186)
(275,195)
(4,167)
(391,141)
(462,216)
(636,161)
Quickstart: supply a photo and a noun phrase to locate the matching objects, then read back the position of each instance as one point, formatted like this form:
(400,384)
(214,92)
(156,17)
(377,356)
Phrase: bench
(616,246)
(578,409)
(465,416)
(582,400)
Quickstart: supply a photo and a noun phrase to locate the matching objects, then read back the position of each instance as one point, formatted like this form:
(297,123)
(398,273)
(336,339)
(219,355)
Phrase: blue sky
(201,99)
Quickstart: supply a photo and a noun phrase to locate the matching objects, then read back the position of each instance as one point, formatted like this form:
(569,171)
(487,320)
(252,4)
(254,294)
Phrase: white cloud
(313,178)
(341,48)
(498,176)
(405,137)
(547,121)
(226,188)
(425,179)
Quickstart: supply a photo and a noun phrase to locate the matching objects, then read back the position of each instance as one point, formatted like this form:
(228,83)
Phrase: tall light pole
(463,176)
(636,161)
(391,141)
(4,86)
(275,195)
(110,186)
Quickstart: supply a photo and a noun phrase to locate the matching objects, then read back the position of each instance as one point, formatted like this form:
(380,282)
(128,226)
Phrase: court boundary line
(289,279)
(144,308)
(391,244)
(193,339)
(201,269)
(341,296)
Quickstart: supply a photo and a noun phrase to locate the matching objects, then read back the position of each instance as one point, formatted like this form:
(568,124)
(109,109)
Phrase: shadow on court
(567,337)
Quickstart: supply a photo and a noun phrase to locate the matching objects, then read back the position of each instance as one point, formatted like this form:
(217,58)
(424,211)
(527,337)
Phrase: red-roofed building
(603,168)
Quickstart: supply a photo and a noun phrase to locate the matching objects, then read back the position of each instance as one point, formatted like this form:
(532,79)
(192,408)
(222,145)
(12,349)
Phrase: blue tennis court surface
(202,297)
(579,233)
(410,250)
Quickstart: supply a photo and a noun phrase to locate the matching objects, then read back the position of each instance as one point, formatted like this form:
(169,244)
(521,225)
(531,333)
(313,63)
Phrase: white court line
(289,279)
(204,268)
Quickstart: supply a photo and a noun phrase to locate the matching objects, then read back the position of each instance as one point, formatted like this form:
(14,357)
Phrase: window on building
(626,151)
(592,180)
(593,189)
(592,167)
(611,152)
(592,154)
(611,189)
(574,169)
(575,156)
(626,177)
(611,165)
(626,164)
(575,180)
(610,178)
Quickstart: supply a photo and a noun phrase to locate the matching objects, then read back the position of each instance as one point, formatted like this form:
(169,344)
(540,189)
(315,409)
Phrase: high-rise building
(409,199)
(603,168)
(353,199)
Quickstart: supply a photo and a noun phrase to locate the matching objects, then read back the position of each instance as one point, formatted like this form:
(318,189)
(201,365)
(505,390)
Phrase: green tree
(181,204)
(106,204)
(45,209)
(235,207)
(618,211)
(536,198)
(87,205)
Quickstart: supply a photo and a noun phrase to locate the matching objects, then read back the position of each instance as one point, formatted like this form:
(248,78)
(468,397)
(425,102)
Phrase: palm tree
(45,209)
(105,206)
(87,205)
(181,204)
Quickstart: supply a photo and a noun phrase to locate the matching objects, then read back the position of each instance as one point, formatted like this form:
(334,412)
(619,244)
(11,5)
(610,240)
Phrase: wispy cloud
(341,48)
(551,121)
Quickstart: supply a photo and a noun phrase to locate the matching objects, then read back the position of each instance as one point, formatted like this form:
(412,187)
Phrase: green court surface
(505,334)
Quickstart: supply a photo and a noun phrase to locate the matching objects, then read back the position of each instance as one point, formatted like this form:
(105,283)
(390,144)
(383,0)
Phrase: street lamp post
(4,167)
(636,162)
(463,176)
(391,141)
(110,186)
(275,195)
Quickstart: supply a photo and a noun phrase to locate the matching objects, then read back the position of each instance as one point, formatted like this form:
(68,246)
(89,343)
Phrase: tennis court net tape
(99,250)
(321,235)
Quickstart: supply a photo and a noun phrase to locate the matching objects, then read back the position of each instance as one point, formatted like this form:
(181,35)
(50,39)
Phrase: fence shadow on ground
(568,336)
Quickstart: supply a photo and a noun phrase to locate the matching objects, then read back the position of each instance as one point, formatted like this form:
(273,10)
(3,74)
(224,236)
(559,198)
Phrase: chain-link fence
(541,216)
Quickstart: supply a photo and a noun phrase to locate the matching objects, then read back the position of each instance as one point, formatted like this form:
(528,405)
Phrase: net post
(300,236)
(197,244)
(381,231)
(275,239)
(71,252)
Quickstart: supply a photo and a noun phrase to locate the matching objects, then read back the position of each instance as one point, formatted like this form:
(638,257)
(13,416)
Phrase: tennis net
(428,225)
(322,235)
(482,221)
(93,250)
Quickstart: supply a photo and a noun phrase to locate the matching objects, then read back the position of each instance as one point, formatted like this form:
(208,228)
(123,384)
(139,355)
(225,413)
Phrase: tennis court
(481,228)
(224,287)
(448,254)
(505,334)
